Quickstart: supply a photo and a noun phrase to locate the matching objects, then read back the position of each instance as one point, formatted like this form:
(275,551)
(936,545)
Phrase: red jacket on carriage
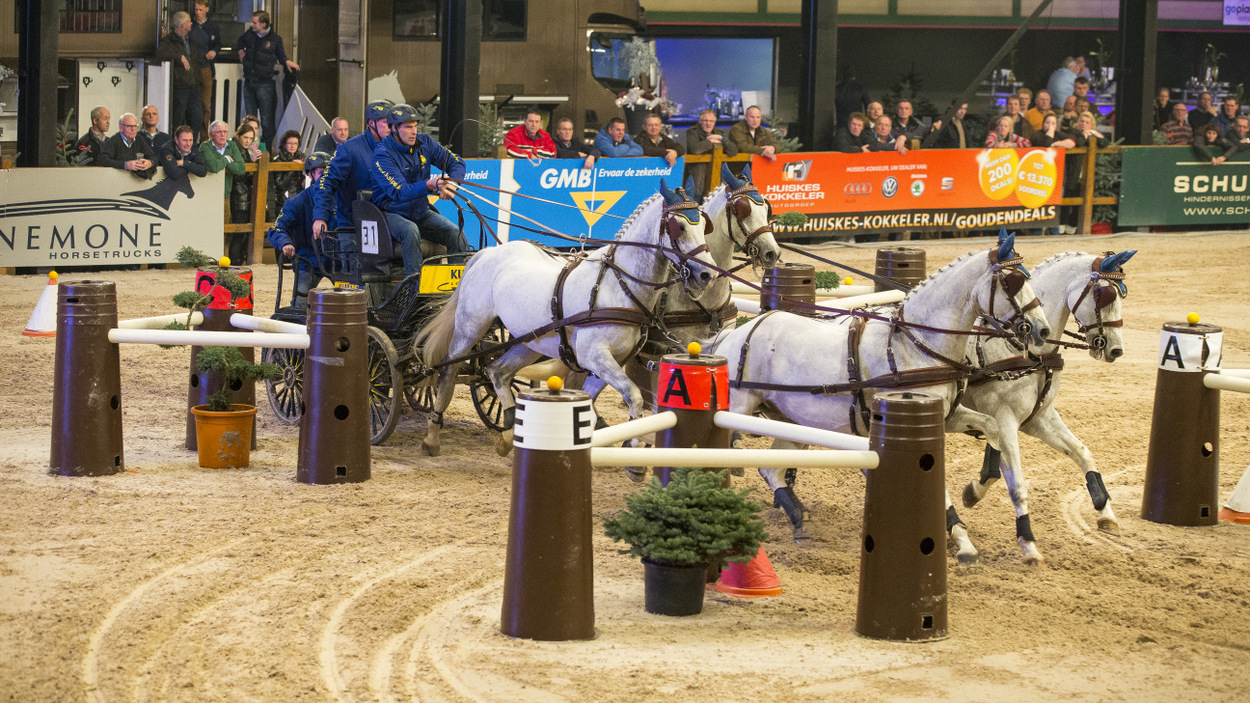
(522,146)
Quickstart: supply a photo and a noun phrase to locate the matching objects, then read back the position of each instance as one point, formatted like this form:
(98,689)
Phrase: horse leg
(599,360)
(783,492)
(466,334)
(1018,489)
(960,420)
(501,371)
(990,472)
(1049,427)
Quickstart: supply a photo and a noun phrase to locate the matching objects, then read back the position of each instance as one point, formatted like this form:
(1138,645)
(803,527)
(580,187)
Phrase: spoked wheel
(420,394)
(485,402)
(386,386)
(286,392)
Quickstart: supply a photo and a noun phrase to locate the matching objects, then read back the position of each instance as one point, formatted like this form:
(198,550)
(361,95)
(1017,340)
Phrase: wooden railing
(715,159)
(259,223)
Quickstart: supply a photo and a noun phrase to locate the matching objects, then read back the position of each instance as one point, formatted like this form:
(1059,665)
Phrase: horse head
(749,217)
(1096,306)
(683,230)
(1006,289)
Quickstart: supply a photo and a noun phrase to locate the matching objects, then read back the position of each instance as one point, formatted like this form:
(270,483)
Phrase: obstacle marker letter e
(1182,466)
(548,587)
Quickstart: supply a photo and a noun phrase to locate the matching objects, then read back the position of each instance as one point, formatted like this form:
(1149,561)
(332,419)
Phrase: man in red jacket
(529,140)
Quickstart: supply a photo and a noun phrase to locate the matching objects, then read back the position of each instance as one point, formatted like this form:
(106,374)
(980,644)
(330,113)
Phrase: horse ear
(728,177)
(746,173)
(1002,234)
(1006,243)
(669,196)
(691,189)
(1113,263)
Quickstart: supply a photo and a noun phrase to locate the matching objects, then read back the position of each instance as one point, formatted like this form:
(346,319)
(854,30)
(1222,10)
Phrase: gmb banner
(67,217)
(944,189)
(1169,185)
(558,194)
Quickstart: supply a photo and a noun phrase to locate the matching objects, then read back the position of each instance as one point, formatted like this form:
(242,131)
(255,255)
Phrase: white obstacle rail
(633,428)
(885,297)
(844,291)
(277,334)
(1238,380)
(733,458)
(789,431)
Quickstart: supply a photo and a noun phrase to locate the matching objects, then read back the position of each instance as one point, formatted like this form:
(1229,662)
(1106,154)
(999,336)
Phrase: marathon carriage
(363,257)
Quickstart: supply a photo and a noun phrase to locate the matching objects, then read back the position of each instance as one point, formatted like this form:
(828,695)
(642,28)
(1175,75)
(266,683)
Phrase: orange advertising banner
(936,190)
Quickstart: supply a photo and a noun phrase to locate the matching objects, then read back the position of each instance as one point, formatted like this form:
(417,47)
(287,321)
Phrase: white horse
(803,354)
(1088,288)
(604,299)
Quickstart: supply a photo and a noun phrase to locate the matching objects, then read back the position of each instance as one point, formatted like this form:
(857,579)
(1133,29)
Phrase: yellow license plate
(440,279)
(347,285)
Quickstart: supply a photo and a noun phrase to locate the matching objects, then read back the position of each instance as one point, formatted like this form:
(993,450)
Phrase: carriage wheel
(485,402)
(386,386)
(286,392)
(420,395)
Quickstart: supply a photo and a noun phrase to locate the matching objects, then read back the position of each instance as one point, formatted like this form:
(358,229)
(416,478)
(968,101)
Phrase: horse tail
(434,339)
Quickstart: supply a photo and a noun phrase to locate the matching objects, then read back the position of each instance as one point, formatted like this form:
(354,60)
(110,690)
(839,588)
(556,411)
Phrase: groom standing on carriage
(402,185)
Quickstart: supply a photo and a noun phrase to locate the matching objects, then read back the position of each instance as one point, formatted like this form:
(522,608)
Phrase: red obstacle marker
(753,579)
(43,320)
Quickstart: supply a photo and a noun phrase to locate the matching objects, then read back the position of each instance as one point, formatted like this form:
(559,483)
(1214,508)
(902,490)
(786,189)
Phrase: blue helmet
(316,160)
(376,110)
(401,114)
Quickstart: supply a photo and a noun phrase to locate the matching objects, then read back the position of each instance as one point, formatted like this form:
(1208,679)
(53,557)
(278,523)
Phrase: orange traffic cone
(753,579)
(1237,509)
(43,320)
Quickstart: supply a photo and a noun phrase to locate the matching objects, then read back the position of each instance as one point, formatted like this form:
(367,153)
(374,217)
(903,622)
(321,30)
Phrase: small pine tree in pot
(683,529)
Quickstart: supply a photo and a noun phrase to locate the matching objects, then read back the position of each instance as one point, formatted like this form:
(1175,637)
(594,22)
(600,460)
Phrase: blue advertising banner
(572,200)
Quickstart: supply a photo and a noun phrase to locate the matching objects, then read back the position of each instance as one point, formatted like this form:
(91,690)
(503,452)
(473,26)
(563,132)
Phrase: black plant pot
(674,590)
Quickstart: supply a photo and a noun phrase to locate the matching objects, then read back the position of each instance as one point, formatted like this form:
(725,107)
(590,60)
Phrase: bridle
(738,209)
(671,225)
(1011,276)
(1103,288)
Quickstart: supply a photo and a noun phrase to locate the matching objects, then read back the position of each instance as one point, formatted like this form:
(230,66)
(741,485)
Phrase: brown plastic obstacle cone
(334,428)
(87,385)
(1183,462)
(548,588)
(217,319)
(902,567)
(787,284)
(905,265)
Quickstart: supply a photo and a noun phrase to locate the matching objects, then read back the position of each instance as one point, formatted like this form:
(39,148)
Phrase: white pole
(209,339)
(885,297)
(789,431)
(1226,383)
(265,324)
(715,458)
(156,323)
(1236,373)
(750,307)
(844,291)
(634,428)
(740,287)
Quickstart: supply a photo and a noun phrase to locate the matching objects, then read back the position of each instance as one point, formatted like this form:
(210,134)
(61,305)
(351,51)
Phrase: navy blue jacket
(262,53)
(349,171)
(294,225)
(400,173)
(206,37)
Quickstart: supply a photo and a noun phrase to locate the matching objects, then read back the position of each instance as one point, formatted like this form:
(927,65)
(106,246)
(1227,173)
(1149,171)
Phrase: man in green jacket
(222,153)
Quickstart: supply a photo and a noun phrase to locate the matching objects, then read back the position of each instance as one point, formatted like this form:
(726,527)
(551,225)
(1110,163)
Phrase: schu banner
(938,190)
(1172,185)
(560,194)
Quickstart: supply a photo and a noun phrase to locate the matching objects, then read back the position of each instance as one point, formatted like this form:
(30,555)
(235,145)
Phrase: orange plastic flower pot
(224,439)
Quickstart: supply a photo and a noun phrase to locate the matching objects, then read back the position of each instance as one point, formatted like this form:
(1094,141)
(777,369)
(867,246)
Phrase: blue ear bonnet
(690,215)
(734,183)
(692,190)
(1113,264)
(1006,251)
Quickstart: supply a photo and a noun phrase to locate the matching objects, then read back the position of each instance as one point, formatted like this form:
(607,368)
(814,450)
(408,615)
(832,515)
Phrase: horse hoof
(1035,560)
(1108,525)
(970,496)
(430,448)
(737,471)
(968,558)
(637,474)
(801,536)
(503,444)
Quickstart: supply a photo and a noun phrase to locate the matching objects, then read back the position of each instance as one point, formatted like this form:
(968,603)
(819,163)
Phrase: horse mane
(939,272)
(1055,258)
(646,214)
(714,203)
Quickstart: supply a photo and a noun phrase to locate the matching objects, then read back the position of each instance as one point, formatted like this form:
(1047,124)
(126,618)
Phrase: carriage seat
(380,259)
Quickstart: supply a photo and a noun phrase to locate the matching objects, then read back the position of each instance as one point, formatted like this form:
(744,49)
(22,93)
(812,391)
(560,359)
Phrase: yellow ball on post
(694,349)
(52,275)
(848,281)
(555,383)
(224,262)
(1192,318)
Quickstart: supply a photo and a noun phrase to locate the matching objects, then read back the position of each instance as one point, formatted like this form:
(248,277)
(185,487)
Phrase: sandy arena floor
(172,582)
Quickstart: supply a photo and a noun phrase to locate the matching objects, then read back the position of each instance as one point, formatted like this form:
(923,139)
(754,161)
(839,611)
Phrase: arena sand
(172,582)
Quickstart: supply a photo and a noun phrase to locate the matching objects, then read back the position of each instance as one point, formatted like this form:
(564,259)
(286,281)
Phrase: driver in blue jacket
(292,234)
(349,171)
(402,185)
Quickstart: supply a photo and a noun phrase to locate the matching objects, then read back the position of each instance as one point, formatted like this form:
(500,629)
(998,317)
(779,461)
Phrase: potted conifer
(682,530)
(223,430)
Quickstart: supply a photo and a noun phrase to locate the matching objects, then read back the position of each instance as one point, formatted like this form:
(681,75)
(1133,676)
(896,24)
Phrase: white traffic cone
(43,319)
(1237,508)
